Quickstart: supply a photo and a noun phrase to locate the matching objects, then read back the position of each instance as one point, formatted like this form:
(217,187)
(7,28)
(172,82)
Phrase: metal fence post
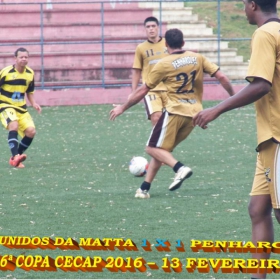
(102,44)
(42,46)
(219,31)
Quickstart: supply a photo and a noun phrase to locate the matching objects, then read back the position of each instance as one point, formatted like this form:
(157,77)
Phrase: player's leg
(154,104)
(182,172)
(153,168)
(185,127)
(28,128)
(265,195)
(168,132)
(143,191)
(166,135)
(277,215)
(275,185)
(154,165)
(262,226)
(155,117)
(161,155)
(13,137)
(9,120)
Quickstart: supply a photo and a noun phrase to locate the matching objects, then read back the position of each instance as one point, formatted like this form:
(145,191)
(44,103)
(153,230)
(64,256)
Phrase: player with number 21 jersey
(182,73)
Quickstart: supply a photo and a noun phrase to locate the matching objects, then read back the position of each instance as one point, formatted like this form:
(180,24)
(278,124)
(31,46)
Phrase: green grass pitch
(76,184)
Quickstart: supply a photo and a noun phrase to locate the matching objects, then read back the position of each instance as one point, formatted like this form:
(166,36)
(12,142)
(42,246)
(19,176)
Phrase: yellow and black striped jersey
(265,63)
(147,54)
(182,74)
(14,85)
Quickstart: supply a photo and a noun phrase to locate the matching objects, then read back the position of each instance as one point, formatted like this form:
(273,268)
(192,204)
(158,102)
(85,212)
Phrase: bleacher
(92,44)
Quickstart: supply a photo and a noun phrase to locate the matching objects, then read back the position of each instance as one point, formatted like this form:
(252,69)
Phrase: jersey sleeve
(2,77)
(31,87)
(263,57)
(209,67)
(156,76)
(138,60)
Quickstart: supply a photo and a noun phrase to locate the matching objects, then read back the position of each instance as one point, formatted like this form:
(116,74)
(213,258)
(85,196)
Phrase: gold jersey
(182,74)
(147,54)
(265,64)
(14,85)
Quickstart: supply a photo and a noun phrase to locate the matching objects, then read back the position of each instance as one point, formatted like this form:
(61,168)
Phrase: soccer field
(76,184)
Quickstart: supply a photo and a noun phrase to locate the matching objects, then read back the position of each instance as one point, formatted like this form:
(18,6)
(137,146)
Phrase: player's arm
(249,94)
(224,81)
(137,69)
(133,99)
(136,76)
(2,77)
(30,96)
(34,104)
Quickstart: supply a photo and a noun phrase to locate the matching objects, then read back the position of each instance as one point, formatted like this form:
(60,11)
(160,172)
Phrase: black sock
(24,144)
(13,142)
(145,186)
(177,166)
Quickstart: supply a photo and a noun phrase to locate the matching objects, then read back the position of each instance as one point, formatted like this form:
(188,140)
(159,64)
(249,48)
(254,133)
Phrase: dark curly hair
(20,50)
(174,38)
(267,6)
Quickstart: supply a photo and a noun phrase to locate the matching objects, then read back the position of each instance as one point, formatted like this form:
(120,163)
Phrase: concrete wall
(89,96)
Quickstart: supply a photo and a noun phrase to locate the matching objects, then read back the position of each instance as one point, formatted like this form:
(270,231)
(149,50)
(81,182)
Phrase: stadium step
(88,30)
(113,58)
(72,31)
(114,75)
(168,5)
(71,14)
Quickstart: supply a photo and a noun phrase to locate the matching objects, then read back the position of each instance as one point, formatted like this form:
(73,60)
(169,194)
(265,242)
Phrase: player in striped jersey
(16,81)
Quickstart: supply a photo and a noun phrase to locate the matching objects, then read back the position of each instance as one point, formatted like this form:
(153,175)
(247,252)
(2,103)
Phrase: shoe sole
(177,186)
(144,197)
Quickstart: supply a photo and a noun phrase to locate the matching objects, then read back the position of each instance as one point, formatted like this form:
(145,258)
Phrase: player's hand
(204,117)
(37,107)
(118,110)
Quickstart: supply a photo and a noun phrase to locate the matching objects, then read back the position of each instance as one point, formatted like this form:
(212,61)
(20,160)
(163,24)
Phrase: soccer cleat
(183,173)
(142,194)
(23,157)
(20,165)
(17,159)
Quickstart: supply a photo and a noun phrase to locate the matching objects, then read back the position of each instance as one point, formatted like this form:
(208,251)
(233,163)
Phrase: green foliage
(233,22)
(76,184)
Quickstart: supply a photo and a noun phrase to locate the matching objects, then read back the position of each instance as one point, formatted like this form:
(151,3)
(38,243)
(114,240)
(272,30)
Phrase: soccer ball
(138,166)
